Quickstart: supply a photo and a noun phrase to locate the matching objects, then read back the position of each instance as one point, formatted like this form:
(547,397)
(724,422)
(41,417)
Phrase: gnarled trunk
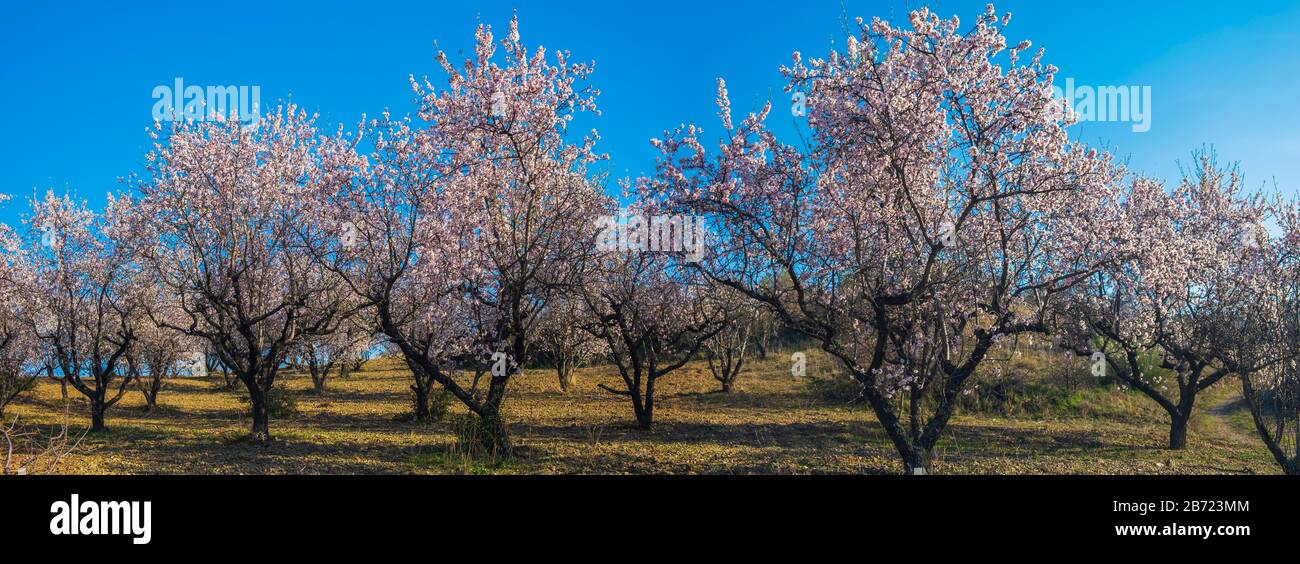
(1178,433)
(261,430)
(421,389)
(149,389)
(97,409)
(1180,415)
(917,462)
(644,406)
(497,438)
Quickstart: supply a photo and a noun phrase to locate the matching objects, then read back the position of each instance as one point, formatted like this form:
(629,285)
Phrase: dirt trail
(1221,412)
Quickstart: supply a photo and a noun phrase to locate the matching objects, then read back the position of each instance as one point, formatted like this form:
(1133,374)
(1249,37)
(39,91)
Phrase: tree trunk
(645,408)
(730,374)
(318,383)
(63,385)
(497,437)
(150,392)
(564,369)
(1178,432)
(421,407)
(1178,418)
(261,431)
(645,419)
(97,409)
(917,462)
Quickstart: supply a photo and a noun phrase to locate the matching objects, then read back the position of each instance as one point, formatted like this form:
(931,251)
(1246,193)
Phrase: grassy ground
(770,424)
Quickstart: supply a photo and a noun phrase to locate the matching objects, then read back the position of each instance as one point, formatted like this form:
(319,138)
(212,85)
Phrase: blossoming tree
(1156,315)
(1258,335)
(727,350)
(402,246)
(653,315)
(324,356)
(17,344)
(154,359)
(84,289)
(482,212)
(561,338)
(937,208)
(225,205)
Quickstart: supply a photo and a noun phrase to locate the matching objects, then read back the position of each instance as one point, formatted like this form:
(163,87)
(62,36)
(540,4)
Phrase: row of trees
(936,209)
(939,208)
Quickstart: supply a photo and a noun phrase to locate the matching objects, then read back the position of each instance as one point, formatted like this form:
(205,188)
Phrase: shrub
(439,406)
(839,389)
(1014,396)
(280,404)
(475,441)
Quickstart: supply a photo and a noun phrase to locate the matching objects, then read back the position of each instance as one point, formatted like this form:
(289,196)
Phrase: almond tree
(361,334)
(83,289)
(1157,315)
(402,249)
(158,349)
(653,316)
(325,355)
(469,221)
(560,336)
(17,344)
(1259,333)
(727,350)
(225,204)
(525,182)
(937,208)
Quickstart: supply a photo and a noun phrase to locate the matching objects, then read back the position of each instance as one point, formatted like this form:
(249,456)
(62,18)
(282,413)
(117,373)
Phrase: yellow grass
(770,424)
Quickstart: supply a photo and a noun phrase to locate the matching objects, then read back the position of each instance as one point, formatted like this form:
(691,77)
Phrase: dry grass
(771,424)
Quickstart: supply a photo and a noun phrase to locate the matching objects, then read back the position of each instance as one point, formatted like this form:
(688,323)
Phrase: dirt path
(1221,413)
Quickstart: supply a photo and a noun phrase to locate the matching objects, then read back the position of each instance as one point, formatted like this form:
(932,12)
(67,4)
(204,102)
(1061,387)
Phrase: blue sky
(77,78)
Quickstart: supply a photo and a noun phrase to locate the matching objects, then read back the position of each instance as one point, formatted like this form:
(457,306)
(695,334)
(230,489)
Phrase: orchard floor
(770,424)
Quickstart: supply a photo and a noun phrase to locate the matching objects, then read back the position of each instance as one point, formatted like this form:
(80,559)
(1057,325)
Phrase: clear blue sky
(77,78)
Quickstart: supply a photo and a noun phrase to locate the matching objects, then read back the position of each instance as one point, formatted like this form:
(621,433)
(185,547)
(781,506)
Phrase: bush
(474,440)
(835,389)
(280,404)
(439,405)
(1014,396)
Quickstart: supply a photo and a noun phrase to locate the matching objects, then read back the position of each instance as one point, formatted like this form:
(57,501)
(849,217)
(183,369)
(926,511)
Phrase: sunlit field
(771,423)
